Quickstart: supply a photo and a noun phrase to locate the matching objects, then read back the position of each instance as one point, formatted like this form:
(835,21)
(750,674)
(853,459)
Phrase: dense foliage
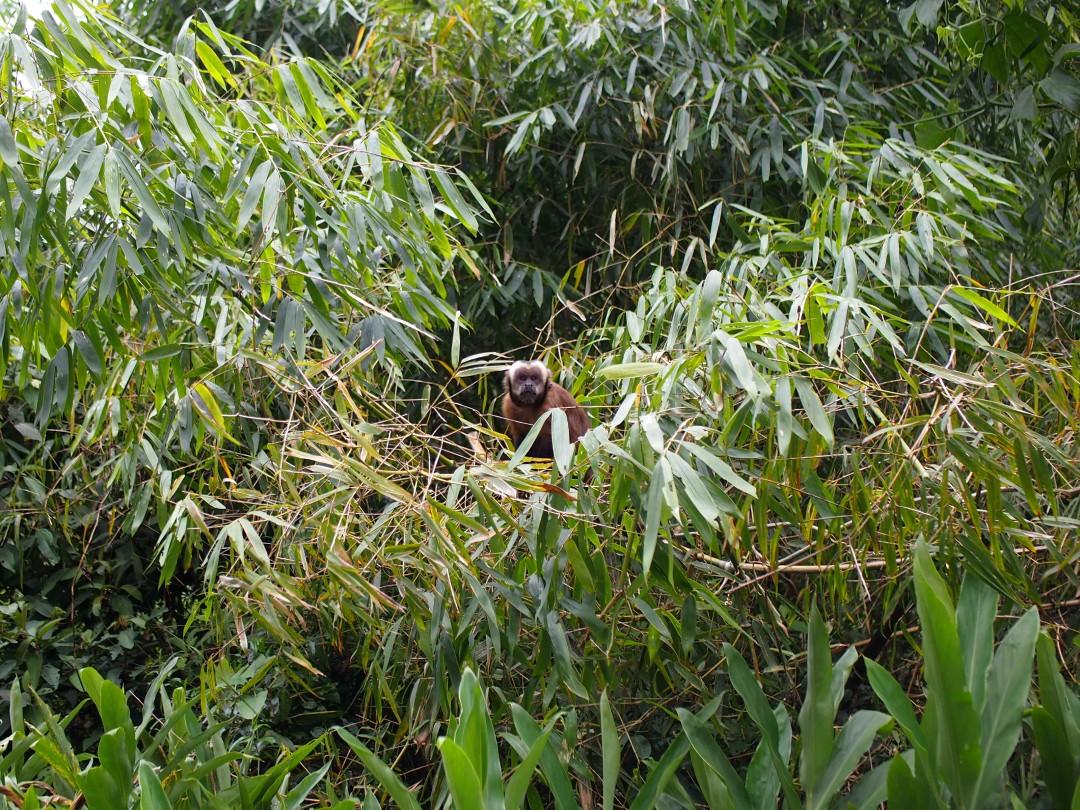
(812,269)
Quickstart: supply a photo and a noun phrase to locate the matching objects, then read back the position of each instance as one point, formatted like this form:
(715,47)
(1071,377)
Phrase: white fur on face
(527,381)
(534,365)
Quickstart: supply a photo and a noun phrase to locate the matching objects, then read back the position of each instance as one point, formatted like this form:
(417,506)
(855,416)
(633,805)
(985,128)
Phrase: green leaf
(89,352)
(654,513)
(1006,696)
(758,708)
(461,776)
(106,786)
(688,625)
(255,188)
(721,468)
(9,152)
(625,371)
(763,783)
(610,750)
(1064,88)
(984,304)
(560,649)
(89,170)
(1062,704)
(381,771)
(153,795)
(814,409)
(660,774)
(476,736)
(852,744)
(111,703)
(562,450)
(1059,767)
(143,194)
(555,773)
(713,756)
(452,197)
(518,784)
(816,715)
(161,353)
(1024,108)
(897,702)
(739,363)
(906,789)
(207,405)
(953,722)
(975,613)
(927,11)
(871,791)
(214,66)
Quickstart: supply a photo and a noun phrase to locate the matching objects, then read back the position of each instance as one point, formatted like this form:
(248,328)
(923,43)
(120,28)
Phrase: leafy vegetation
(811,270)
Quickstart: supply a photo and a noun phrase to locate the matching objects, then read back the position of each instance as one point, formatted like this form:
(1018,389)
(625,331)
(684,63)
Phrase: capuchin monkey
(530,394)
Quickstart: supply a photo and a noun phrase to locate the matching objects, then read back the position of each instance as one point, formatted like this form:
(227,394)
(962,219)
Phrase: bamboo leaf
(89,170)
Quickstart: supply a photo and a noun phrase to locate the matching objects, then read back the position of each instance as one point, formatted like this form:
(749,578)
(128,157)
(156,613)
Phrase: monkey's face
(527,382)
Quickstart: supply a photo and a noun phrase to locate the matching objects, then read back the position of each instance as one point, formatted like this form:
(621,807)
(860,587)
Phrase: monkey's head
(527,382)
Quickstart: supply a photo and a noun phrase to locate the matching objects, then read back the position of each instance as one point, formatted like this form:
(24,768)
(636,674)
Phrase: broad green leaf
(975,614)
(661,773)
(852,745)
(106,786)
(713,756)
(736,358)
(214,66)
(763,783)
(381,771)
(89,352)
(871,791)
(453,199)
(153,795)
(721,468)
(476,736)
(1006,696)
(161,353)
(785,420)
(654,513)
(611,752)
(758,708)
(461,775)
(1059,767)
(816,715)
(560,649)
(897,702)
(1054,694)
(518,784)
(111,703)
(9,151)
(1064,88)
(955,737)
(555,773)
(143,194)
(207,405)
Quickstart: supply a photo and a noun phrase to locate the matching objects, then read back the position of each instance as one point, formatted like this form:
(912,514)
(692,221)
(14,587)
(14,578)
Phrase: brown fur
(530,394)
